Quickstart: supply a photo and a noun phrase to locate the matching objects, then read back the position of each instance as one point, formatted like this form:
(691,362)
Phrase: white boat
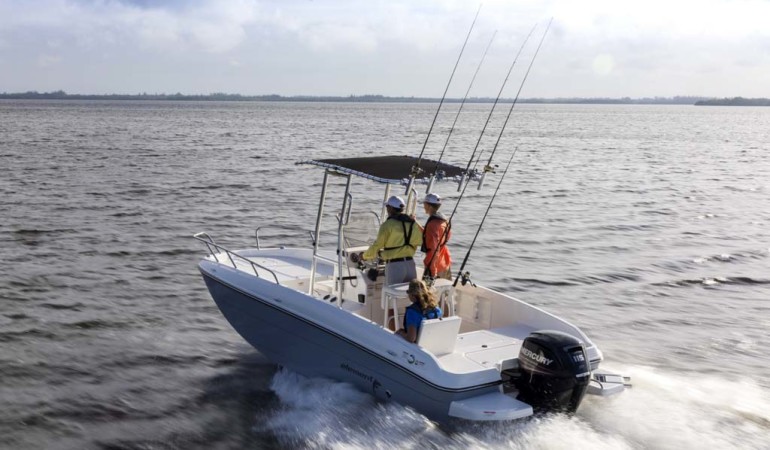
(315,311)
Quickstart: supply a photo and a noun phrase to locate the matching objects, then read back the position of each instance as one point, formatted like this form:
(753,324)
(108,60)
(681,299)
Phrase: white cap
(395,202)
(433,199)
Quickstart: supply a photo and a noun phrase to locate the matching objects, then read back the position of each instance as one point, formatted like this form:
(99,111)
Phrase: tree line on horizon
(219,96)
(735,101)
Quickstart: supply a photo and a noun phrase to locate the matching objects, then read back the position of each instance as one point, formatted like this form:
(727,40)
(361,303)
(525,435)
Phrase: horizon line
(220,96)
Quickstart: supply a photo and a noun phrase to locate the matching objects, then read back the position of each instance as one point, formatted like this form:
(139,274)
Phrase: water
(648,226)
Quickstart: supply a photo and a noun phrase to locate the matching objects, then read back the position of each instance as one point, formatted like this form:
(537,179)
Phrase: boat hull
(307,347)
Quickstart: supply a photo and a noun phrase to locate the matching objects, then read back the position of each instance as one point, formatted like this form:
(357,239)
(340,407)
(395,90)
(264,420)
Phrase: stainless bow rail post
(209,242)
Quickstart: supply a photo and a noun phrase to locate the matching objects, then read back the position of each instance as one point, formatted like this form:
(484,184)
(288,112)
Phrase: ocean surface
(647,226)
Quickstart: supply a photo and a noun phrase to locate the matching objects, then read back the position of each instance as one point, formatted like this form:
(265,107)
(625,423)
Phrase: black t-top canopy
(389,169)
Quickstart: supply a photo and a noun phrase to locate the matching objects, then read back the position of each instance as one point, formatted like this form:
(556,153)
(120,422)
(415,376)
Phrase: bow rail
(210,244)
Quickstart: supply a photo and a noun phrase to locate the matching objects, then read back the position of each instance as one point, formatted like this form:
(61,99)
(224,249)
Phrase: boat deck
(484,349)
(288,268)
(474,350)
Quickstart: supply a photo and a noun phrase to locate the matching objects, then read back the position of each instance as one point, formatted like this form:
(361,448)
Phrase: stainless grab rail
(209,241)
(411,207)
(350,208)
(256,235)
(347,208)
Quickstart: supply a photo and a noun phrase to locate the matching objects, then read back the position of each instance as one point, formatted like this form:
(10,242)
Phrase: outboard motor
(553,371)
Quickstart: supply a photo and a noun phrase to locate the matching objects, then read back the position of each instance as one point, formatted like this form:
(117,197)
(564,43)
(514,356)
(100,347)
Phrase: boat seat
(439,336)
(445,292)
(395,296)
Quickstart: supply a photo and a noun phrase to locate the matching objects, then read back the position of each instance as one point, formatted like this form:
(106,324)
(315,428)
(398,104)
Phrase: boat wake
(662,411)
(678,410)
(322,413)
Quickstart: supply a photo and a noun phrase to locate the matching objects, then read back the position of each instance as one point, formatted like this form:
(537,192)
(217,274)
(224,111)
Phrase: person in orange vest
(435,235)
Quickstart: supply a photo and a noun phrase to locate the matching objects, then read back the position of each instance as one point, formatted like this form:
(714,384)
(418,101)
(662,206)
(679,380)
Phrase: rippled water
(647,226)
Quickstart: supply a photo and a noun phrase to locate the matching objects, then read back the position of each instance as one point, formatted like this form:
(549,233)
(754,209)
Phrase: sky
(594,48)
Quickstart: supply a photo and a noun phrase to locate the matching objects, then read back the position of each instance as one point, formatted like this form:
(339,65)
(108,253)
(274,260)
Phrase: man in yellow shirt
(397,240)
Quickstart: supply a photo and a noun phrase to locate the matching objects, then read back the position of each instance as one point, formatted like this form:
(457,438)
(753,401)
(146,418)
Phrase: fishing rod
(466,276)
(463,186)
(416,168)
(435,168)
(443,239)
(488,167)
(466,173)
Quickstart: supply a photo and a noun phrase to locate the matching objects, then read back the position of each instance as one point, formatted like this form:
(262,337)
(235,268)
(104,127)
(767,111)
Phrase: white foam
(322,413)
(678,411)
(661,411)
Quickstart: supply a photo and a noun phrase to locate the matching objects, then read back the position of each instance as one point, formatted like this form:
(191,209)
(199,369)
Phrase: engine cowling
(553,371)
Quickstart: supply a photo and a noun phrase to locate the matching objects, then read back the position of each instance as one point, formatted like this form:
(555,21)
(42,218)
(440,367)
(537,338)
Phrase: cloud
(210,26)
(603,64)
(393,47)
(45,61)
(732,19)
(178,5)
(330,37)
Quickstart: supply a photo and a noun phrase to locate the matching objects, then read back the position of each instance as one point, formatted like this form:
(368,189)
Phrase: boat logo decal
(411,359)
(539,358)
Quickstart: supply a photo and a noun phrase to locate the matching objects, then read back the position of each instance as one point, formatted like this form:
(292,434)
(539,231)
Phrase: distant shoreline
(735,101)
(678,100)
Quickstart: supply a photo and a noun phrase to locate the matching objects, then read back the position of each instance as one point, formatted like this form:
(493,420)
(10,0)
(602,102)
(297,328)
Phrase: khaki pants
(400,272)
